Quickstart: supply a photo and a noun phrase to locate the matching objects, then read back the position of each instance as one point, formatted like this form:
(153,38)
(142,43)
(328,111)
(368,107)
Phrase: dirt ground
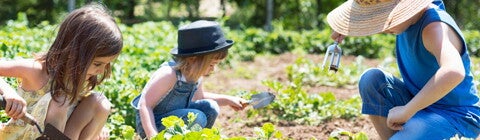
(273,67)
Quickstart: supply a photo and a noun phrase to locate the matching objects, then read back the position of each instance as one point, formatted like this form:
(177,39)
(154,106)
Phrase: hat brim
(353,19)
(226,45)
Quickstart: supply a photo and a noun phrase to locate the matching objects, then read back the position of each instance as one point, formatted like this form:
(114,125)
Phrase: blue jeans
(207,111)
(381,91)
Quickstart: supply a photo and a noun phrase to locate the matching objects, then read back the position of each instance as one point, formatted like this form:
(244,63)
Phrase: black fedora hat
(200,37)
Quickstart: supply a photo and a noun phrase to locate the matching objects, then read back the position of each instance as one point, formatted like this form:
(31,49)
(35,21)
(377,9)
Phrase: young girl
(56,87)
(176,87)
(436,97)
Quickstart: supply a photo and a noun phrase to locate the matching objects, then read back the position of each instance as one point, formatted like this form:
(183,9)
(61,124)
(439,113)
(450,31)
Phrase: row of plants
(295,104)
(176,129)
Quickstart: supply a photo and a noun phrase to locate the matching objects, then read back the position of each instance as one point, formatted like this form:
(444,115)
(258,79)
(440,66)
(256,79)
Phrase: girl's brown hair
(85,33)
(195,69)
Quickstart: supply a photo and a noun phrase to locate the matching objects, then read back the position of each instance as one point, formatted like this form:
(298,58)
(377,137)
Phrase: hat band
(197,49)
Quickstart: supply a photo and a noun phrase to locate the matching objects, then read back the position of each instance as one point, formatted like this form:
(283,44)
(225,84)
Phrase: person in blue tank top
(176,87)
(436,97)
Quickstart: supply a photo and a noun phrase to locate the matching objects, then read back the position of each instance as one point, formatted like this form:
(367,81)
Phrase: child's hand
(397,116)
(238,103)
(16,105)
(337,37)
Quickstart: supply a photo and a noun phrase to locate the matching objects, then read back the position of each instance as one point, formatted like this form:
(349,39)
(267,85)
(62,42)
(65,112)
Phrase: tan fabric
(37,106)
(367,17)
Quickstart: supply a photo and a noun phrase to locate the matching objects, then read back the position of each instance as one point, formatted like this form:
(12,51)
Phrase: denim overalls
(178,102)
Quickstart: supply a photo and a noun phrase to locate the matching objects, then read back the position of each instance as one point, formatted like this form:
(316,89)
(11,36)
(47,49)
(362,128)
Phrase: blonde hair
(199,64)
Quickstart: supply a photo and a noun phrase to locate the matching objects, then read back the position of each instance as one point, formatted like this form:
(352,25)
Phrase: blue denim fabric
(381,91)
(426,125)
(178,102)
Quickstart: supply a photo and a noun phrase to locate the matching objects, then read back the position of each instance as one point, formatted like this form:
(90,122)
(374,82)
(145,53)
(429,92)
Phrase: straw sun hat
(367,17)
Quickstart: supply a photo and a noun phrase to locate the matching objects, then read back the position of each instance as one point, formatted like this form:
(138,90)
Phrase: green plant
(340,133)
(176,129)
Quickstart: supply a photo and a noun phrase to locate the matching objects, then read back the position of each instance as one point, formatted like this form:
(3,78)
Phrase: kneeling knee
(100,103)
(214,108)
(371,74)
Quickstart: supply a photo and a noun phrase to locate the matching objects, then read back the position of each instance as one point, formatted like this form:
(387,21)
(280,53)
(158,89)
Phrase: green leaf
(171,121)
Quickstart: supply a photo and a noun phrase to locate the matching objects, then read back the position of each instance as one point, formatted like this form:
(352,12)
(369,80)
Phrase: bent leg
(380,124)
(57,113)
(380,92)
(89,117)
(210,108)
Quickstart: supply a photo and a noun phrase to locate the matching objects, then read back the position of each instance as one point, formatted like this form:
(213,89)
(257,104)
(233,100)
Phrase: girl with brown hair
(56,87)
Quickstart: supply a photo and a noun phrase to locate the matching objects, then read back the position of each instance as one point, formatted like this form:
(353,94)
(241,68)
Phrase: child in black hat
(176,87)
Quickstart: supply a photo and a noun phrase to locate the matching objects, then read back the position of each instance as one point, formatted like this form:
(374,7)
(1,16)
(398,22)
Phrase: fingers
(244,103)
(15,108)
(393,125)
(337,37)
(16,111)
(237,106)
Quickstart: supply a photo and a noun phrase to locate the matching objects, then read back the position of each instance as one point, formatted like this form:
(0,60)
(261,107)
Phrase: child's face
(212,67)
(98,65)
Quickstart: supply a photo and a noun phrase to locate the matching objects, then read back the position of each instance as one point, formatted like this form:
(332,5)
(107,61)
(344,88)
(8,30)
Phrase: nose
(100,70)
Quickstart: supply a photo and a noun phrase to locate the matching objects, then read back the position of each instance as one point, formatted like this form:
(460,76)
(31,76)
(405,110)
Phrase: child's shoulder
(165,72)
(30,71)
(31,64)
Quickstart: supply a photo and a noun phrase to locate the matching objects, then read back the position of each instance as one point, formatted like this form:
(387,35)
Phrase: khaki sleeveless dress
(37,106)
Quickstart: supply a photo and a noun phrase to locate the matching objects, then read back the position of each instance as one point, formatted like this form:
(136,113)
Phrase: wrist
(411,109)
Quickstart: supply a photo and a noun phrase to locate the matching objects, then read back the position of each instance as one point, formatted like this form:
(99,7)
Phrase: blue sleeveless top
(417,66)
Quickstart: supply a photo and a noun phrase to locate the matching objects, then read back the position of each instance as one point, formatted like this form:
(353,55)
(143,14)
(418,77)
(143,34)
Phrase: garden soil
(234,123)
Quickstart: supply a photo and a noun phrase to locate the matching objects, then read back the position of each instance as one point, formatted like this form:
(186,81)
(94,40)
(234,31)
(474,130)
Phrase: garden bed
(273,67)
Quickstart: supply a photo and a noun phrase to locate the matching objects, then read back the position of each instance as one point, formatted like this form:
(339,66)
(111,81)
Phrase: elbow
(142,106)
(457,75)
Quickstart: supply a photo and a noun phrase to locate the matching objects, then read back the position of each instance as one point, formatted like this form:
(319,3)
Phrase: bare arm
(24,70)
(157,88)
(14,68)
(442,42)
(445,45)
(236,103)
